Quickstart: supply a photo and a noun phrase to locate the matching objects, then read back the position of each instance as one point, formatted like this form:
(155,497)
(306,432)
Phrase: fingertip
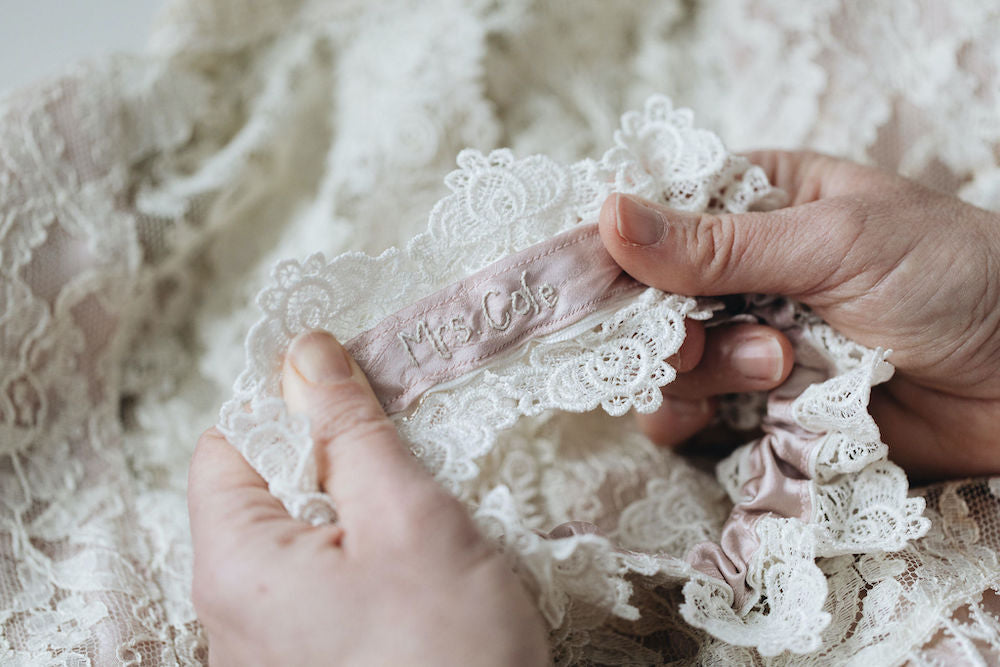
(209,439)
(655,244)
(358,451)
(760,357)
(607,223)
(628,223)
(745,357)
(795,172)
(323,382)
(677,420)
(634,258)
(787,357)
(315,360)
(318,357)
(779,356)
(692,349)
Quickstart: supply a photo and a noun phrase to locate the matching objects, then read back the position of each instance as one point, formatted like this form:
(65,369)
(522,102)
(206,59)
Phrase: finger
(225,493)
(692,348)
(798,173)
(792,251)
(363,463)
(924,430)
(808,176)
(677,420)
(737,358)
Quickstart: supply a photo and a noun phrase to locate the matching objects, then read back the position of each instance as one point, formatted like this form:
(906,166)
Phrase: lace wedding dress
(147,199)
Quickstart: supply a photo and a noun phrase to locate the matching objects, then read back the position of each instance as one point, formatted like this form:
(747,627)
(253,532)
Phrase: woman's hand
(404,578)
(885,261)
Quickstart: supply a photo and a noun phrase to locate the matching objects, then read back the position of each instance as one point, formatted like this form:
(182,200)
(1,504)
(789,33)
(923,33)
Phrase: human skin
(403,578)
(884,260)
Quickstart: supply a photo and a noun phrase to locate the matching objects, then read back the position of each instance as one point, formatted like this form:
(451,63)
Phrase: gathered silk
(776,476)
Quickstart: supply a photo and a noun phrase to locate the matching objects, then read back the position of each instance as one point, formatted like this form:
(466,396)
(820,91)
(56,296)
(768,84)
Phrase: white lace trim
(498,205)
(617,365)
(859,504)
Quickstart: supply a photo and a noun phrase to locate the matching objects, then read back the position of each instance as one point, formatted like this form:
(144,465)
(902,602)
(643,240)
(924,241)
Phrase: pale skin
(405,578)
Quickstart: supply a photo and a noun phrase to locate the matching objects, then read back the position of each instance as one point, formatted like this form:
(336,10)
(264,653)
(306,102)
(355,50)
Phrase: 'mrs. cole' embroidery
(499,313)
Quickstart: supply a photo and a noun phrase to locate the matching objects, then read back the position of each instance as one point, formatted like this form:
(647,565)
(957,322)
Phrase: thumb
(362,460)
(793,251)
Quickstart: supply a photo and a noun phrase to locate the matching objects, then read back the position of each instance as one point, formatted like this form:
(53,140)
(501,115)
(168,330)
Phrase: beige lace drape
(144,199)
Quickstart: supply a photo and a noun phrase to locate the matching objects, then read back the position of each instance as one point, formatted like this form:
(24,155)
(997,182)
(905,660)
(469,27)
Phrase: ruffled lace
(816,485)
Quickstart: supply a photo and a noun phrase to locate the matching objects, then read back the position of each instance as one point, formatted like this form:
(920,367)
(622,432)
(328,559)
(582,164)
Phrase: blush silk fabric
(540,290)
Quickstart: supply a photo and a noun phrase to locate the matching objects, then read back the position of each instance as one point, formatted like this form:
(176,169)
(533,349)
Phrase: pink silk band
(777,484)
(532,293)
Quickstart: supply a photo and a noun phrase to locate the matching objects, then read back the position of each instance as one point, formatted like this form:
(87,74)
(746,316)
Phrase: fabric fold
(776,483)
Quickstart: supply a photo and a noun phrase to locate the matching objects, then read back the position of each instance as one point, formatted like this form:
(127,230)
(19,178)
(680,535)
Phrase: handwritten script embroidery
(522,302)
(466,324)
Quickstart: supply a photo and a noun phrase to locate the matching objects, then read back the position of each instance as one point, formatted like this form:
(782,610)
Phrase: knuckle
(852,214)
(348,413)
(841,226)
(716,246)
(354,426)
(850,217)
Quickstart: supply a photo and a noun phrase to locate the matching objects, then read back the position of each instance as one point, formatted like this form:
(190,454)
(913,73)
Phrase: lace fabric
(145,199)
(762,587)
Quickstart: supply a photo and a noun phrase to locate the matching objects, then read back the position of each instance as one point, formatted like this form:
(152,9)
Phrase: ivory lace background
(144,200)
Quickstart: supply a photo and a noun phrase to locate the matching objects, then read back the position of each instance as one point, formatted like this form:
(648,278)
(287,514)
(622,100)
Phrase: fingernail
(685,408)
(759,358)
(638,223)
(319,358)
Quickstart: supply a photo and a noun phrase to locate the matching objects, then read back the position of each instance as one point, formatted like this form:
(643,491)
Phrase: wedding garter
(507,310)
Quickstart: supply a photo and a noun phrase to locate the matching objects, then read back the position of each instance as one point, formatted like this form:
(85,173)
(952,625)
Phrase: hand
(404,578)
(884,260)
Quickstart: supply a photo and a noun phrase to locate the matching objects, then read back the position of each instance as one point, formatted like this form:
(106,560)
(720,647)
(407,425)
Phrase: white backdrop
(40,37)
